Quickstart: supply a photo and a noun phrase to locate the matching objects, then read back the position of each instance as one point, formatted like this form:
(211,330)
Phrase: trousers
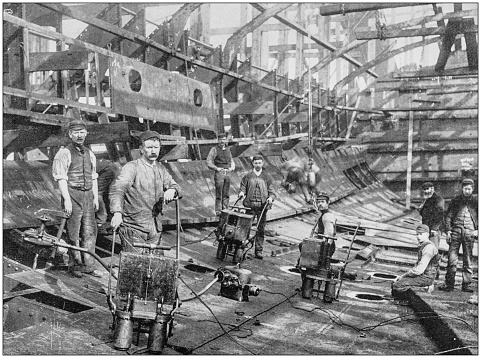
(402,285)
(222,187)
(460,238)
(82,230)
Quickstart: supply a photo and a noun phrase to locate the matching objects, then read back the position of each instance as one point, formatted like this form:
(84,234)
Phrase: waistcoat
(223,158)
(80,169)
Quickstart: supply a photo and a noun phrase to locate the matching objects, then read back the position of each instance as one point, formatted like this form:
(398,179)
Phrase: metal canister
(330,291)
(158,333)
(243,275)
(123,330)
(307,286)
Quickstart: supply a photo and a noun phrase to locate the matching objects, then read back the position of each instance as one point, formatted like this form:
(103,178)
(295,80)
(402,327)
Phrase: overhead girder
(381,58)
(133,37)
(314,38)
(232,45)
(344,8)
(333,56)
(395,33)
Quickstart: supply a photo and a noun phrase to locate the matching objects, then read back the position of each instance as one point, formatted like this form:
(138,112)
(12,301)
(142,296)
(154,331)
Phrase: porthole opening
(135,80)
(198,100)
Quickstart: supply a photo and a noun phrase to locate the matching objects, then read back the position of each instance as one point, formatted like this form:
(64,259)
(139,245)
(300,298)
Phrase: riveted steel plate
(140,90)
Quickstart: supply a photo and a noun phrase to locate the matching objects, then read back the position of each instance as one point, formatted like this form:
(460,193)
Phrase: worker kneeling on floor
(424,273)
(316,252)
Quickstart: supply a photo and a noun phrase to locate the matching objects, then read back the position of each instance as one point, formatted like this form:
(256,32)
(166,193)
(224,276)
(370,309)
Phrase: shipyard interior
(240,178)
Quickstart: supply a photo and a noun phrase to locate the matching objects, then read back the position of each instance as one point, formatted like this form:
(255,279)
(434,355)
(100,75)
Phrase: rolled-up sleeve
(120,186)
(95,175)
(61,163)
(210,158)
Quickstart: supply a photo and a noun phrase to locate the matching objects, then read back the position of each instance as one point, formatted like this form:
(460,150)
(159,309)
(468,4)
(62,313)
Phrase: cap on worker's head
(422,228)
(466,182)
(322,195)
(257,157)
(427,184)
(77,124)
(149,135)
(221,135)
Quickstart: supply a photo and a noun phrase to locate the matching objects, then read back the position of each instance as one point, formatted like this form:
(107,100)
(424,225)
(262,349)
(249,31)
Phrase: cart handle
(152,246)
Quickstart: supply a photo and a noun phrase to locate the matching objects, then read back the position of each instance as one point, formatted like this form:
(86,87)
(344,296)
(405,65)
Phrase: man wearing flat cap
(138,194)
(424,272)
(220,161)
(432,212)
(74,169)
(461,230)
(324,230)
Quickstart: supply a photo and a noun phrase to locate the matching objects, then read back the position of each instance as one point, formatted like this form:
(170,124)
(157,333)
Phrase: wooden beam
(452,90)
(233,42)
(381,58)
(58,61)
(55,100)
(333,56)
(35,117)
(409,159)
(179,20)
(427,31)
(314,38)
(426,109)
(433,73)
(245,108)
(469,85)
(18,139)
(147,42)
(439,17)
(344,8)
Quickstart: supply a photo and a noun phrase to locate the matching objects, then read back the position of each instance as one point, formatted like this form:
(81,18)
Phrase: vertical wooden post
(410,153)
(26,56)
(276,107)
(220,94)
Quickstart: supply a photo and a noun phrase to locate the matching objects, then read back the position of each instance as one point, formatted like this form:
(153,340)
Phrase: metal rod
(347,258)
(177,213)
(111,265)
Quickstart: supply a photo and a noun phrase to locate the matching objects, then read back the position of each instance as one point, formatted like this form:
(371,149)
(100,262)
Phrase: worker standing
(432,212)
(461,231)
(74,169)
(257,191)
(220,160)
(138,194)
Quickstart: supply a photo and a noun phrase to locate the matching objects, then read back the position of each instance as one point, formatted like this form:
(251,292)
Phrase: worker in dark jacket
(138,194)
(424,272)
(432,212)
(74,169)
(461,230)
(258,193)
(220,161)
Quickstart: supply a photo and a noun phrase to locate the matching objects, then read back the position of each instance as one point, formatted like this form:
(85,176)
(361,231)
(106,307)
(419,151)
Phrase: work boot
(467,288)
(444,287)
(259,255)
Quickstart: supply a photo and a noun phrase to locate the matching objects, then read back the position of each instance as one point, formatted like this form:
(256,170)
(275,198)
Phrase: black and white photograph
(239,178)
